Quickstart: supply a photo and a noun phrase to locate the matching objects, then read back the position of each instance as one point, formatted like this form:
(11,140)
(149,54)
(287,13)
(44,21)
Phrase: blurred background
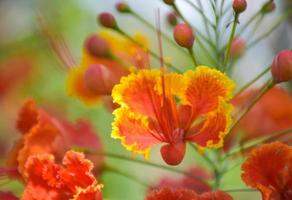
(30,68)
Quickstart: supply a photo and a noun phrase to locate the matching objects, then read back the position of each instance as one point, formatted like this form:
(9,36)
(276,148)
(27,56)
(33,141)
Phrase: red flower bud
(238,47)
(97,46)
(239,6)
(107,20)
(268,7)
(282,67)
(172,18)
(96,78)
(183,35)
(169,2)
(173,154)
(123,7)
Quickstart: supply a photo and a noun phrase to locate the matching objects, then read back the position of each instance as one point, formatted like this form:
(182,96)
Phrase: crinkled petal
(269,169)
(218,195)
(172,194)
(133,130)
(205,86)
(211,132)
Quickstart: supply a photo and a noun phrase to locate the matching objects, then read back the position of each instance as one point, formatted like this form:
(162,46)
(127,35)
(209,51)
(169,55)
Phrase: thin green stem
(269,85)
(138,161)
(166,37)
(127,175)
(241,190)
(234,25)
(251,82)
(191,52)
(273,28)
(257,141)
(153,54)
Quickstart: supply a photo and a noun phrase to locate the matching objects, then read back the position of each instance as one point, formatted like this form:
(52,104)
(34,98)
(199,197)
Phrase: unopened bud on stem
(97,46)
(282,67)
(169,2)
(268,7)
(107,20)
(183,35)
(239,6)
(123,7)
(172,18)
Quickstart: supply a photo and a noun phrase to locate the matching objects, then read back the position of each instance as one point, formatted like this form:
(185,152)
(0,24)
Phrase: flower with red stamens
(107,56)
(196,184)
(172,109)
(72,180)
(269,169)
(43,133)
(185,194)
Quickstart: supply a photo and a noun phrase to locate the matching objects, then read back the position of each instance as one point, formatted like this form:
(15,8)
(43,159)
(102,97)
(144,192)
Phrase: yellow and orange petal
(211,132)
(133,130)
(205,86)
(269,169)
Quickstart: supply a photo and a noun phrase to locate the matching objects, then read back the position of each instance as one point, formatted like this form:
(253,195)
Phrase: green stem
(259,141)
(166,37)
(127,175)
(191,52)
(125,158)
(241,190)
(269,85)
(251,82)
(153,54)
(230,41)
(273,27)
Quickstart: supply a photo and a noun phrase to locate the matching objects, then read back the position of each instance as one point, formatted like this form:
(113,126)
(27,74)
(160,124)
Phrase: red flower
(187,182)
(46,180)
(8,196)
(42,133)
(269,169)
(172,109)
(185,194)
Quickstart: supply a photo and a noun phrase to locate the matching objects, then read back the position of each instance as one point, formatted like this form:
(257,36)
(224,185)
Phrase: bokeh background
(37,72)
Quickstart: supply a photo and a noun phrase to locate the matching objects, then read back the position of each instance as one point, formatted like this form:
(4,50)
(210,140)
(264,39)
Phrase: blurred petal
(217,195)
(27,117)
(172,194)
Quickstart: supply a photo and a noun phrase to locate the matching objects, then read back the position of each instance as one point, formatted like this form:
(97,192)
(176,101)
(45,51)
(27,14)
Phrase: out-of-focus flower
(106,71)
(185,194)
(238,48)
(72,180)
(172,18)
(13,72)
(42,133)
(8,196)
(268,7)
(274,116)
(171,109)
(187,182)
(282,67)
(269,169)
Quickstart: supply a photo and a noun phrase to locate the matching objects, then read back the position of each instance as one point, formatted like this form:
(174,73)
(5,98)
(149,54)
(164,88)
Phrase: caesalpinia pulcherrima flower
(43,133)
(46,180)
(172,109)
(269,169)
(107,56)
(185,194)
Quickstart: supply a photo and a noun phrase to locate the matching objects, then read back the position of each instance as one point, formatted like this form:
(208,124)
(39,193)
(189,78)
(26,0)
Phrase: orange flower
(185,194)
(46,180)
(42,133)
(269,169)
(96,75)
(274,109)
(172,109)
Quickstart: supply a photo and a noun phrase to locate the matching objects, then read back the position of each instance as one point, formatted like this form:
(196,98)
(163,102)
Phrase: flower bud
(239,6)
(282,67)
(172,18)
(173,154)
(123,7)
(96,46)
(238,47)
(268,7)
(169,2)
(183,35)
(107,20)
(95,79)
